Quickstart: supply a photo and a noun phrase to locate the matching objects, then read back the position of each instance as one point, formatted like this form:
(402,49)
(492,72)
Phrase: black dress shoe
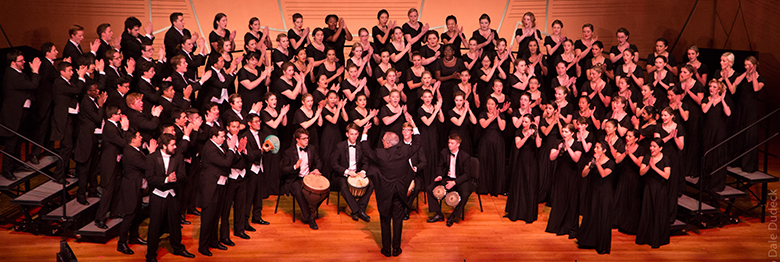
(249,228)
(205,252)
(385,252)
(100,224)
(8,175)
(95,194)
(313,225)
(34,160)
(436,218)
(362,215)
(406,216)
(184,253)
(219,246)
(450,222)
(195,212)
(260,221)
(124,249)
(82,200)
(355,217)
(184,221)
(227,242)
(396,252)
(242,235)
(137,240)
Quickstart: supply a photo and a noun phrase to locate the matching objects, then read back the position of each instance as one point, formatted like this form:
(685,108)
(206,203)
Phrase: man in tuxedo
(66,109)
(418,162)
(236,109)
(218,88)
(130,191)
(298,161)
(179,78)
(191,188)
(454,174)
(147,56)
(114,69)
(72,48)
(216,160)
(132,38)
(105,34)
(390,167)
(44,102)
(256,184)
(173,38)
(116,126)
(173,101)
(116,95)
(348,162)
(146,123)
(163,169)
(193,61)
(235,193)
(90,126)
(18,95)
(146,86)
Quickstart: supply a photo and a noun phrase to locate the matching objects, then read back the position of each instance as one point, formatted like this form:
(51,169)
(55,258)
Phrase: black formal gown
(448,88)
(563,214)
(522,200)
(546,166)
(628,195)
(396,126)
(654,226)
(330,137)
(596,228)
(693,147)
(249,97)
(748,111)
(300,117)
(429,135)
(492,159)
(715,131)
(463,131)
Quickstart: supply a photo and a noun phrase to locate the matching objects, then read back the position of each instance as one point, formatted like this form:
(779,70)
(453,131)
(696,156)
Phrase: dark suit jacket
(133,174)
(213,87)
(290,157)
(180,82)
(254,155)
(131,46)
(89,119)
(214,163)
(65,96)
(340,160)
(172,40)
(151,97)
(193,62)
(102,49)
(156,173)
(177,102)
(112,75)
(116,99)
(229,113)
(392,171)
(143,122)
(418,159)
(44,100)
(72,51)
(17,88)
(462,168)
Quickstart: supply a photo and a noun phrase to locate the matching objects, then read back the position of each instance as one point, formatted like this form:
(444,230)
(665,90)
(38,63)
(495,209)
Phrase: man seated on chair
(454,173)
(299,161)
(348,161)
(417,161)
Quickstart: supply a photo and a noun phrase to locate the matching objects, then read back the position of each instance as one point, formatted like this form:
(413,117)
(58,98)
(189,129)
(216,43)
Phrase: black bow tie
(452,154)
(304,149)
(352,145)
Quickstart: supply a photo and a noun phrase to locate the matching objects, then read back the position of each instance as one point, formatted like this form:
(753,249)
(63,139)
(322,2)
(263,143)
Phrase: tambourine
(271,144)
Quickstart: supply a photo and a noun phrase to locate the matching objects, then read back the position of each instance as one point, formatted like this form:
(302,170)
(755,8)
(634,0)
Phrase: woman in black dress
(673,136)
(521,202)
(647,128)
(414,30)
(563,214)
(381,31)
(582,47)
(273,120)
(253,79)
(569,57)
(562,79)
(321,93)
(221,32)
(538,98)
(336,34)
(502,51)
(633,96)
(491,155)
(486,37)
(454,35)
(281,54)
(413,82)
(588,111)
(361,115)
(598,59)
(448,71)
(431,118)
(553,43)
(549,128)
(662,80)
(289,85)
(596,229)
(517,82)
(223,51)
(399,50)
(717,109)
(462,118)
(431,51)
(616,52)
(536,61)
(332,115)
(630,71)
(331,68)
(748,111)
(693,93)
(661,46)
(469,90)
(257,33)
(472,57)
(361,56)
(527,33)
(648,99)
(352,85)
(700,69)
(316,51)
(526,108)
(619,114)
(303,66)
(309,118)
(392,114)
(727,76)
(390,85)
(489,71)
(598,90)
(653,228)
(298,35)
(628,195)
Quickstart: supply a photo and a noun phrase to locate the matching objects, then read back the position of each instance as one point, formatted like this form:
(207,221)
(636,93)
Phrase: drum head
(439,192)
(316,182)
(275,141)
(357,182)
(452,199)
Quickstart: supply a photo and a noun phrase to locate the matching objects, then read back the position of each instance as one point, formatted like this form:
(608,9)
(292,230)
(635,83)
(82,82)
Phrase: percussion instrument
(411,189)
(271,142)
(439,192)
(315,189)
(357,185)
(452,199)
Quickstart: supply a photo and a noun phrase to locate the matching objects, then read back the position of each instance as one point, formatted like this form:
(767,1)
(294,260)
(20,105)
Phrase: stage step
(73,209)
(752,178)
(691,205)
(727,193)
(92,233)
(24,176)
(43,193)
(678,225)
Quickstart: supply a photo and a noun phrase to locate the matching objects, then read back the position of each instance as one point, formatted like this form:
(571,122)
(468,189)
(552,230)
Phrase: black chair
(283,191)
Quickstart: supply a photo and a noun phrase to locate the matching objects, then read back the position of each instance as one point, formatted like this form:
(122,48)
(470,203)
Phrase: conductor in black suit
(18,94)
(163,170)
(298,161)
(390,165)
(348,161)
(216,160)
(454,176)
(130,191)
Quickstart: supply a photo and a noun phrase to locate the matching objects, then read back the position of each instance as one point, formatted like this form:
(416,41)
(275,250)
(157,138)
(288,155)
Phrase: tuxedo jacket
(65,96)
(116,99)
(156,173)
(213,87)
(102,49)
(73,51)
(462,168)
(43,95)
(214,163)
(418,159)
(340,160)
(158,71)
(172,40)
(143,122)
(89,119)
(229,113)
(177,102)
(390,167)
(151,97)
(254,154)
(112,146)
(180,82)
(131,46)
(193,63)
(290,157)
(112,74)
(133,174)
(17,88)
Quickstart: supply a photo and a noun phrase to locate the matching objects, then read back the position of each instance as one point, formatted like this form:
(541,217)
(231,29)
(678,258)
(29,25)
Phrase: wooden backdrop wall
(729,24)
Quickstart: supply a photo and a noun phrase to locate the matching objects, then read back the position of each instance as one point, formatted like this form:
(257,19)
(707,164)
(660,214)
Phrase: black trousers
(66,147)
(209,219)
(395,216)
(42,129)
(255,192)
(130,222)
(162,211)
(308,210)
(13,145)
(357,205)
(87,172)
(235,197)
(190,187)
(464,190)
(107,200)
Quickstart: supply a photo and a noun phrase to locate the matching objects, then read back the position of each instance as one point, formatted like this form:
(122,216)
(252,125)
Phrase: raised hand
(156,110)
(149,29)
(257,106)
(206,75)
(102,97)
(187,92)
(232,35)
(94,45)
(152,145)
(124,122)
(100,65)
(35,65)
(242,144)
